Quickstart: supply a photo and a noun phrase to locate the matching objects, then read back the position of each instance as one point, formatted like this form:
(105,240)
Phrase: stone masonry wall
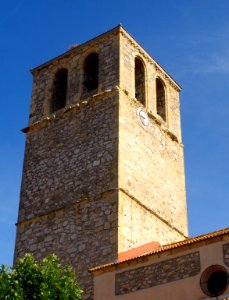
(226,254)
(72,157)
(96,181)
(138,225)
(129,49)
(81,234)
(108,52)
(151,159)
(70,164)
(158,273)
(150,169)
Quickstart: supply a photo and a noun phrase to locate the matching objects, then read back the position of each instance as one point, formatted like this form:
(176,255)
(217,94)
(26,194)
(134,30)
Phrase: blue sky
(190,39)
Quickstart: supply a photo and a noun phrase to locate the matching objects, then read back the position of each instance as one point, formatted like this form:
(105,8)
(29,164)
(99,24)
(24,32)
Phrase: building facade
(104,166)
(193,269)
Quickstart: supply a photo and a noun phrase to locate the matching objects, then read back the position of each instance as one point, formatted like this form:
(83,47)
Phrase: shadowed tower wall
(97,180)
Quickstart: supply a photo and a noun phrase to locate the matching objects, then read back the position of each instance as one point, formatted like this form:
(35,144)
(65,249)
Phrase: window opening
(91,70)
(58,100)
(214,280)
(160,98)
(139,81)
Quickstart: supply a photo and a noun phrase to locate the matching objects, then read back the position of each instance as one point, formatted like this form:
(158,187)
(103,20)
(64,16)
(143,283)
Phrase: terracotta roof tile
(165,248)
(149,247)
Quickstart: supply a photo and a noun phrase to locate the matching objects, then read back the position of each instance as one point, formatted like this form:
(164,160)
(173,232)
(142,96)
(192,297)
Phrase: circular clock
(143,117)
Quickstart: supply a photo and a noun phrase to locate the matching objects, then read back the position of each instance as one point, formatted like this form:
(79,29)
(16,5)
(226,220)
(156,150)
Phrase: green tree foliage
(47,280)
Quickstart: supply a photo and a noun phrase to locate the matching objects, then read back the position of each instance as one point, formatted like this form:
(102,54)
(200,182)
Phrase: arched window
(59,91)
(91,71)
(160,98)
(139,81)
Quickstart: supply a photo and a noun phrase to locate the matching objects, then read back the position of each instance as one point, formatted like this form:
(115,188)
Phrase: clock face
(143,117)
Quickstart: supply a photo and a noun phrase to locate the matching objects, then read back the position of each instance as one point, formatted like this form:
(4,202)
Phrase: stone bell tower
(104,167)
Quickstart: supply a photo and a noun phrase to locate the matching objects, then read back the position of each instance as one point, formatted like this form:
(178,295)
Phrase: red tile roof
(165,248)
(149,247)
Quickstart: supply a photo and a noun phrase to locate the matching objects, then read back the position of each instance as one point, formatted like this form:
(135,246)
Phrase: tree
(47,280)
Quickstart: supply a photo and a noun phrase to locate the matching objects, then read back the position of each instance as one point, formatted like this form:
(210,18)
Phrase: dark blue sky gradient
(190,39)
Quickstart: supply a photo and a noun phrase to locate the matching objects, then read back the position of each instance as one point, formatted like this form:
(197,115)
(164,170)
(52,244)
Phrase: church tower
(103,167)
